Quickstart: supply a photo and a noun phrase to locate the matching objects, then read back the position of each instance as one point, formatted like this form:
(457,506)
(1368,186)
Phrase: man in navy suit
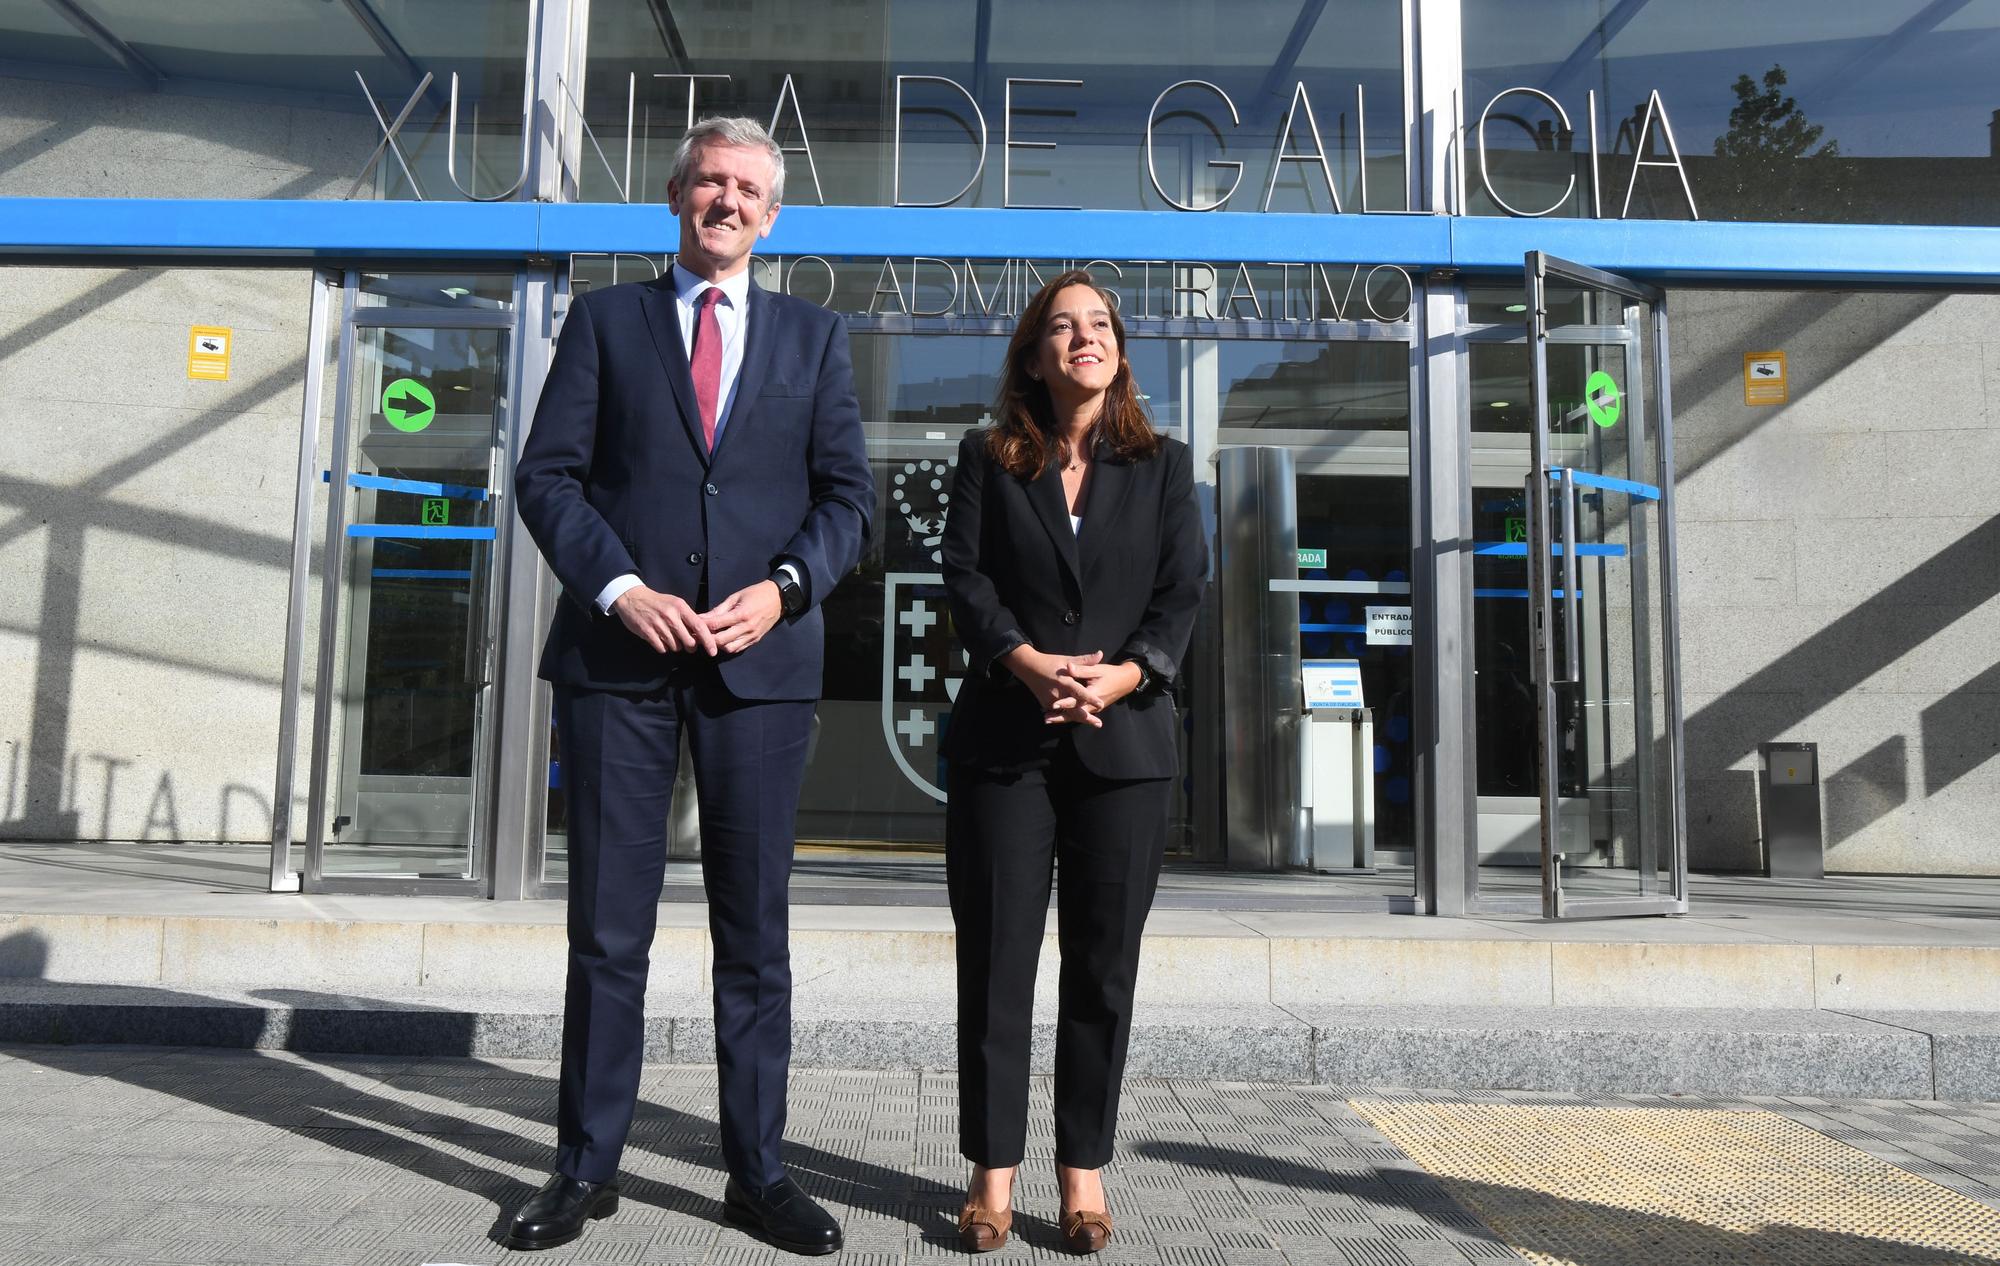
(696,478)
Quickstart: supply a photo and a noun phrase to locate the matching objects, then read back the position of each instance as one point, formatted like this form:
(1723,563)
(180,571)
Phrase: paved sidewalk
(130,1155)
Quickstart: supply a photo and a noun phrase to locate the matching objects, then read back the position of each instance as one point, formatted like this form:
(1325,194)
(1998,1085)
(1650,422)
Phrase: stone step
(1734,1051)
(1190,958)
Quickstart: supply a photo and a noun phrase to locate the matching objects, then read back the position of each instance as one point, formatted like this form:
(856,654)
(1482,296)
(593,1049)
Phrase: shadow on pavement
(316,1101)
(1552,1229)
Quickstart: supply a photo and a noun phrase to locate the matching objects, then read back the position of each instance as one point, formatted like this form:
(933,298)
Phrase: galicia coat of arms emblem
(922,663)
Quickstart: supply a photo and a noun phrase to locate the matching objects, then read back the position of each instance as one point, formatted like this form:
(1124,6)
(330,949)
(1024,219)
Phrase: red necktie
(707,362)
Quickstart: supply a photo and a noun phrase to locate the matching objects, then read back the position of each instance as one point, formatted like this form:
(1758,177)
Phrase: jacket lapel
(756,367)
(1045,494)
(1109,478)
(664,323)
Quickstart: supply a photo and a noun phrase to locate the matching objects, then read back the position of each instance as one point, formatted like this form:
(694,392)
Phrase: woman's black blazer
(1127,584)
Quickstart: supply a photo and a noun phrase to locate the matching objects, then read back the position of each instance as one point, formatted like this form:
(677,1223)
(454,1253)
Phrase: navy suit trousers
(619,753)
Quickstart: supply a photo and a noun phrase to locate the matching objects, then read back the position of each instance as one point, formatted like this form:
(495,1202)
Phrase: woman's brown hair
(1026,440)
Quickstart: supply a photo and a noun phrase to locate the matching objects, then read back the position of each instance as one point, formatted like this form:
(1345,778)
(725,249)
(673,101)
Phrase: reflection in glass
(451,292)
(414,629)
(260,99)
(1363,525)
(1852,111)
(1315,386)
(842,62)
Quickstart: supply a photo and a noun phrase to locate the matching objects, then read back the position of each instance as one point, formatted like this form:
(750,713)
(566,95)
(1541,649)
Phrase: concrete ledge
(1189,959)
(1908,977)
(1965,1049)
(1743,1051)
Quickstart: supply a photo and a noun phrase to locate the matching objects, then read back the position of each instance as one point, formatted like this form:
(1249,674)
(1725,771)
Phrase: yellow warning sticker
(208,352)
(1764,380)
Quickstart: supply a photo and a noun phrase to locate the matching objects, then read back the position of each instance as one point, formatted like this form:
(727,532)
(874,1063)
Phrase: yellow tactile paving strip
(1585,1186)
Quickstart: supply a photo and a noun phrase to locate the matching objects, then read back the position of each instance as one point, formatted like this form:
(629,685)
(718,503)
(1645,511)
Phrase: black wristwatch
(790,595)
(1146,678)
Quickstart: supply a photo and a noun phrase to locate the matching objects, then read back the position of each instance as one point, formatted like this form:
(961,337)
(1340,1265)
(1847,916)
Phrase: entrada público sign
(1312,558)
(408,405)
(1601,397)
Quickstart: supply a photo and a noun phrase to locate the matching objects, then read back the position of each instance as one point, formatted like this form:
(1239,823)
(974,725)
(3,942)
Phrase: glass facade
(1408,505)
(1795,110)
(911,103)
(263,99)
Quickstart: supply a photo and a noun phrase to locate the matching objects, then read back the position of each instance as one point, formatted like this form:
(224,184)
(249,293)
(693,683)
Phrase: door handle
(1572,601)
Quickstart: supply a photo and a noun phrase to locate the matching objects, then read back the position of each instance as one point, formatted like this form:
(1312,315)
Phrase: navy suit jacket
(614,478)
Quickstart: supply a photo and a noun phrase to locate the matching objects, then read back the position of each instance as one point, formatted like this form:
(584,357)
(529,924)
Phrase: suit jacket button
(710,489)
(694,560)
(1071,617)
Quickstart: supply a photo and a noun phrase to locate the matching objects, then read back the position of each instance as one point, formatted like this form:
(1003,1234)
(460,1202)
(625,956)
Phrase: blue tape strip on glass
(1333,628)
(423,486)
(418,573)
(1519,549)
(1513,593)
(1588,480)
(411,531)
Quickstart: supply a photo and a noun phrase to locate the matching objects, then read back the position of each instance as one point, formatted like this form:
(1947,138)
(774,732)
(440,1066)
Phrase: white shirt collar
(688,287)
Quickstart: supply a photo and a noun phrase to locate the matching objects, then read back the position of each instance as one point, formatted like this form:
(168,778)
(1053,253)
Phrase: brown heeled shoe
(981,1230)
(1086,1230)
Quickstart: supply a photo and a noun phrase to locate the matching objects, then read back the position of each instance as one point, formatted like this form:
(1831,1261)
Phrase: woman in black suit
(1074,560)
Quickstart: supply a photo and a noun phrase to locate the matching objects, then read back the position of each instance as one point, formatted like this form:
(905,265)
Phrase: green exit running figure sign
(437,512)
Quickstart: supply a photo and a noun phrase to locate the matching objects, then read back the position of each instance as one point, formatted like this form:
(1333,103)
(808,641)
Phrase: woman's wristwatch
(1146,677)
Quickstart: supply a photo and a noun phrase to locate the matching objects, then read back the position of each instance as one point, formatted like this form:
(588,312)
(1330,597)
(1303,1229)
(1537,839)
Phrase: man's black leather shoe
(556,1214)
(783,1215)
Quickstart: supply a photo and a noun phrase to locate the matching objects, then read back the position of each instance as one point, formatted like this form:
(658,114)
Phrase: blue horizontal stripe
(1519,549)
(1333,628)
(1669,250)
(1514,593)
(416,532)
(418,573)
(1588,480)
(423,486)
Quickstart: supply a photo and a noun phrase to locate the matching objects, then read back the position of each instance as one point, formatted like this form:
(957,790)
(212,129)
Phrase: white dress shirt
(730,313)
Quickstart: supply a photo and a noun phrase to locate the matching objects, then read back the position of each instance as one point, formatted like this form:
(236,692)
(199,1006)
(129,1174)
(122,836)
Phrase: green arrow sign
(1600,396)
(408,405)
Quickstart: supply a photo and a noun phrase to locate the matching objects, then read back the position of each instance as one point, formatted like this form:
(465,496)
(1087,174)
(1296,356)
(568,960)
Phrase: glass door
(403,699)
(1601,615)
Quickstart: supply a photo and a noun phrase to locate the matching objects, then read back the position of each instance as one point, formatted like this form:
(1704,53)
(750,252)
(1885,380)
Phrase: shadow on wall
(1963,726)
(41,774)
(1702,381)
(1960,732)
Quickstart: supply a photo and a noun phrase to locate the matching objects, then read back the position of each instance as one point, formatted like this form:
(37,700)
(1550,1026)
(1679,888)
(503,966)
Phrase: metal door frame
(478,880)
(1542,477)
